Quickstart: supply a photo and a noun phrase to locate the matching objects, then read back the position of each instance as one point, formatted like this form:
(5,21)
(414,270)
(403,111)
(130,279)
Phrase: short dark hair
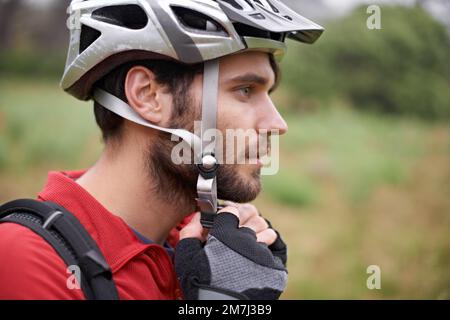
(175,76)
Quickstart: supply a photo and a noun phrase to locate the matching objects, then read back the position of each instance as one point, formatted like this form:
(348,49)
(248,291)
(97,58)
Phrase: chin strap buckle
(207,190)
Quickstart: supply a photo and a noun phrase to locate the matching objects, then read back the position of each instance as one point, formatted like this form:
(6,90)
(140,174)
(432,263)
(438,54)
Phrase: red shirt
(31,269)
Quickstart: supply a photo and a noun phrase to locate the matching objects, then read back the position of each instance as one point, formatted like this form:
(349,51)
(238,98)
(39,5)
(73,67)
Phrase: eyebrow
(254,78)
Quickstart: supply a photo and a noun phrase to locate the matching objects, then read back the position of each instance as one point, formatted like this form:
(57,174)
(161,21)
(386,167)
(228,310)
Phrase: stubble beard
(177,183)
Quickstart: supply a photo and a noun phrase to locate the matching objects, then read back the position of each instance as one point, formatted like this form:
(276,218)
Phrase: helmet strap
(124,110)
(207,180)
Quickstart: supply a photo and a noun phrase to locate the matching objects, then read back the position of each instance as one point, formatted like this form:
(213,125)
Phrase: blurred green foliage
(45,126)
(404,68)
(358,151)
(32,63)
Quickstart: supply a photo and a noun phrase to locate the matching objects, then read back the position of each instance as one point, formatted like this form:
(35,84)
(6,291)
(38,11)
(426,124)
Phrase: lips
(257,156)
(258,160)
(260,155)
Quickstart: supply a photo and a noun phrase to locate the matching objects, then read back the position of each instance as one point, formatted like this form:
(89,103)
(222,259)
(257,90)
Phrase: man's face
(245,81)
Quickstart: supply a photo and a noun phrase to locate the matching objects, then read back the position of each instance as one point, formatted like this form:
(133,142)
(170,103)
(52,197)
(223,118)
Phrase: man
(153,68)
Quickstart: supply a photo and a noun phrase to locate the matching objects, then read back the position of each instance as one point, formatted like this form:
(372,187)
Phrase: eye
(246,91)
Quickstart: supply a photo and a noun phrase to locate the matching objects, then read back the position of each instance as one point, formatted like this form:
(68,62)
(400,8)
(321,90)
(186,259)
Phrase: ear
(147,97)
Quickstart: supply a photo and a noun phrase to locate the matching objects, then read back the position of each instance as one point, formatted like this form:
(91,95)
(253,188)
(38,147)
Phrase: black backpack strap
(69,238)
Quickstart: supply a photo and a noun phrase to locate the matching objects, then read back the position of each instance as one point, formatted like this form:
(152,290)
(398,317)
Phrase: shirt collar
(114,237)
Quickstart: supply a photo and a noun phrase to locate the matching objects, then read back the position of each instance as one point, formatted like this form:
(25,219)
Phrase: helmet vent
(250,3)
(274,9)
(258,16)
(87,37)
(234,4)
(196,21)
(129,16)
(248,31)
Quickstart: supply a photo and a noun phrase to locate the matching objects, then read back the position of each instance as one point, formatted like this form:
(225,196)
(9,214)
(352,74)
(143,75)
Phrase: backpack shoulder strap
(69,238)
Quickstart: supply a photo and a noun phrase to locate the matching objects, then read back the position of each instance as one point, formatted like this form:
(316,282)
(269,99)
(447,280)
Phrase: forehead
(244,63)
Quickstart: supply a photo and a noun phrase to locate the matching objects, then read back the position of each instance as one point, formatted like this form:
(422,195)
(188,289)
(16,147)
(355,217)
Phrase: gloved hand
(231,263)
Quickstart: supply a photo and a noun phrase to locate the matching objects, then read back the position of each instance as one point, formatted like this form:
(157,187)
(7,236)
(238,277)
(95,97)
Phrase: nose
(271,119)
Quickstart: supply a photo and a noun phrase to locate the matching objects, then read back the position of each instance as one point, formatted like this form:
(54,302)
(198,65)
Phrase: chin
(241,183)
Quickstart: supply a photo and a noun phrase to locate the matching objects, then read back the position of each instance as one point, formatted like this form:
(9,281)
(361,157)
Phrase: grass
(42,125)
(290,189)
(358,151)
(353,190)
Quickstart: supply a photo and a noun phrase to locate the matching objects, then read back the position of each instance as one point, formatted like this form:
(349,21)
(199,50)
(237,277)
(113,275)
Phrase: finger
(230,203)
(193,229)
(256,223)
(268,236)
(232,210)
(246,212)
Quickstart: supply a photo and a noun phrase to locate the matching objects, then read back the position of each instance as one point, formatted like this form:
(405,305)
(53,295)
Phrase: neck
(130,192)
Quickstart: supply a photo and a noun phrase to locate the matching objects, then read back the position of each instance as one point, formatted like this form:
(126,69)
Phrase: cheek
(234,114)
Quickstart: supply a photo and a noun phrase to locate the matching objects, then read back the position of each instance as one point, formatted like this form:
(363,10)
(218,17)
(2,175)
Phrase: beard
(177,183)
(236,187)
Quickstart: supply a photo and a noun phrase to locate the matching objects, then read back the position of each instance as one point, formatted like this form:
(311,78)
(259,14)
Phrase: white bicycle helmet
(113,32)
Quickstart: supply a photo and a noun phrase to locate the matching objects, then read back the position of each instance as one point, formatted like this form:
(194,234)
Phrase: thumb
(194,229)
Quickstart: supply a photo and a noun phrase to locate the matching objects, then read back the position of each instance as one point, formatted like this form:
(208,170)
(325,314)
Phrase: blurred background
(365,166)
